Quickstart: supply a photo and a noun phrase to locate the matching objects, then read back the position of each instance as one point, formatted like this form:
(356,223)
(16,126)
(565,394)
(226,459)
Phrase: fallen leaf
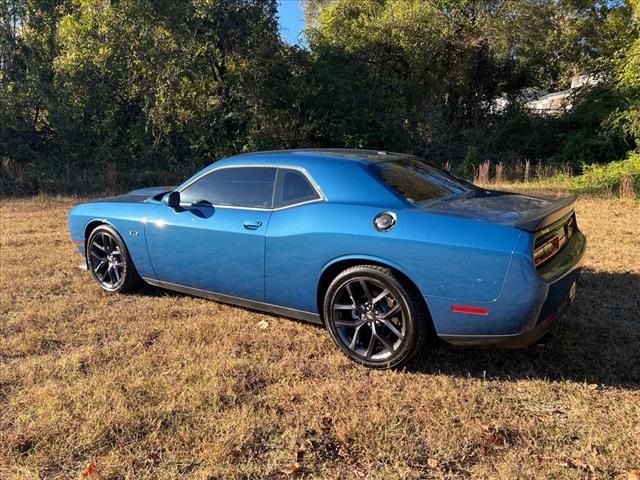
(490,438)
(262,324)
(633,475)
(89,471)
(493,436)
(292,469)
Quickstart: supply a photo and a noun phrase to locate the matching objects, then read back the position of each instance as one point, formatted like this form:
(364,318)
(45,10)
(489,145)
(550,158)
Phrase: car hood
(491,206)
(150,191)
(137,196)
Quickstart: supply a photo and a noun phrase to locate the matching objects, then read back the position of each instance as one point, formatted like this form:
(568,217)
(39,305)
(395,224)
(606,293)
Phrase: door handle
(252,225)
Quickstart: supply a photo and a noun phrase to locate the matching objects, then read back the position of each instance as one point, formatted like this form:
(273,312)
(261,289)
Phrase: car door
(295,241)
(215,240)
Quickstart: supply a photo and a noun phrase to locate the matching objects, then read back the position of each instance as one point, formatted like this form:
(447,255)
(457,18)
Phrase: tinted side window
(236,187)
(293,187)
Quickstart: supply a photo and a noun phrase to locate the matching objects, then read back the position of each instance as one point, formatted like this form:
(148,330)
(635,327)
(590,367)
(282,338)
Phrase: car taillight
(551,240)
(549,249)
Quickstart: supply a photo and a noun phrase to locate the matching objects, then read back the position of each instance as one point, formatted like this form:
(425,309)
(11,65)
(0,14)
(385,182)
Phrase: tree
(425,76)
(627,119)
(99,94)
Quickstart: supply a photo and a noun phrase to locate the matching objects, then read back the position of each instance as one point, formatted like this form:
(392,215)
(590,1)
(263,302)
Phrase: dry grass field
(161,385)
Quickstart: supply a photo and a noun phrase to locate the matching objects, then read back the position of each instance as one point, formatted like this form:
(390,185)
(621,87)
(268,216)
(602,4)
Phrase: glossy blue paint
(209,248)
(441,255)
(463,250)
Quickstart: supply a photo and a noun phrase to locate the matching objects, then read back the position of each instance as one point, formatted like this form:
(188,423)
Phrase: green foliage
(583,135)
(98,94)
(470,162)
(113,94)
(424,76)
(626,120)
(596,178)
(618,178)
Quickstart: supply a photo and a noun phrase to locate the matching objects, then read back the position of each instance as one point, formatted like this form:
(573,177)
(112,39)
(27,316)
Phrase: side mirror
(172,200)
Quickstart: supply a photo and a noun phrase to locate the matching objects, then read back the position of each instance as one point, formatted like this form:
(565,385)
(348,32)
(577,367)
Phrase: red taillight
(549,249)
(552,239)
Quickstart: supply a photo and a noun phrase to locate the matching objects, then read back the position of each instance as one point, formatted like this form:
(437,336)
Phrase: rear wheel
(109,261)
(375,317)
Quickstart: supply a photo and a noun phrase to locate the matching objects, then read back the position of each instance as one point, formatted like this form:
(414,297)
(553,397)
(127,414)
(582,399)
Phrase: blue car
(384,249)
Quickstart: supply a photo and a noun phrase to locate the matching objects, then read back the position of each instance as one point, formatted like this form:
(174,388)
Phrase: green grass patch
(615,178)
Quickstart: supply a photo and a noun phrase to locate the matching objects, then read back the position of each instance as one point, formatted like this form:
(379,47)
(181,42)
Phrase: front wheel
(109,261)
(375,317)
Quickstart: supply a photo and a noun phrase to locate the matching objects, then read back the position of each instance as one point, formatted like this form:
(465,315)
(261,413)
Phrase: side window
(235,187)
(293,187)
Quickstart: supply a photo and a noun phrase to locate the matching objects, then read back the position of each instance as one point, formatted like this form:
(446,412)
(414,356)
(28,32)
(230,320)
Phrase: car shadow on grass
(596,342)
(153,291)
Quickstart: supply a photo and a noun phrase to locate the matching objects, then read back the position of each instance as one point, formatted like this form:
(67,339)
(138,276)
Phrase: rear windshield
(418,181)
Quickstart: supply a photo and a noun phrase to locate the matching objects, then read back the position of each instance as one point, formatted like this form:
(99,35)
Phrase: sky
(291,21)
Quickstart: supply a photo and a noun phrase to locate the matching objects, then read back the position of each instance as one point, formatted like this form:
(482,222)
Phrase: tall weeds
(481,176)
(621,177)
(626,188)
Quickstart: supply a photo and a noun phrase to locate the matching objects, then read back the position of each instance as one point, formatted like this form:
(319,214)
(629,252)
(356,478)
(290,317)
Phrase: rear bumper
(521,340)
(559,287)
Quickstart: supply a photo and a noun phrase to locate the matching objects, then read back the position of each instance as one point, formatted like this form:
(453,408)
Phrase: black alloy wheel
(109,261)
(375,317)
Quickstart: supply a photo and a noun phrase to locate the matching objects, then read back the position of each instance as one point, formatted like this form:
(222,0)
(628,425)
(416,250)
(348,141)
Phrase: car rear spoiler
(538,219)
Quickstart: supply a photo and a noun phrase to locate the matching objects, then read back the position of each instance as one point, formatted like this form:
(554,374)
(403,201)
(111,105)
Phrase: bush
(596,178)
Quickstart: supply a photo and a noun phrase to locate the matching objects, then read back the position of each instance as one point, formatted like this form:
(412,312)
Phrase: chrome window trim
(278,190)
(302,170)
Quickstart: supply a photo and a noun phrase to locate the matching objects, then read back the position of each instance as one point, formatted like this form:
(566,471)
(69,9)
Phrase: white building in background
(556,103)
(551,103)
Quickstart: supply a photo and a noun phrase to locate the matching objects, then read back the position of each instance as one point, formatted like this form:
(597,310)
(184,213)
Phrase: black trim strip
(241,302)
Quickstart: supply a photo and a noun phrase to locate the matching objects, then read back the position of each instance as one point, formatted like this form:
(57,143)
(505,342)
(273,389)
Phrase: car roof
(313,155)
(338,172)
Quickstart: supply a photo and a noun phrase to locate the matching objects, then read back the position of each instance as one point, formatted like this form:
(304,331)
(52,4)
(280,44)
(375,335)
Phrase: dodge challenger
(384,249)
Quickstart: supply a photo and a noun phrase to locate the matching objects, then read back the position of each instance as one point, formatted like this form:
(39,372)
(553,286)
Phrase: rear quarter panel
(446,257)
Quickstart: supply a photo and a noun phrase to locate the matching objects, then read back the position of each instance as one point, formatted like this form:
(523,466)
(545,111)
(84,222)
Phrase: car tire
(375,317)
(109,261)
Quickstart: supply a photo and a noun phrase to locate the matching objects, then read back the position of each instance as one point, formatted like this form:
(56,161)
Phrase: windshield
(418,181)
